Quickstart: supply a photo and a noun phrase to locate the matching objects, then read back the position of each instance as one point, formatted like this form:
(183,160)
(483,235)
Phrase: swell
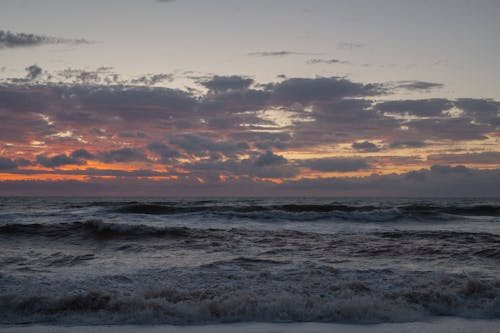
(313,211)
(91,229)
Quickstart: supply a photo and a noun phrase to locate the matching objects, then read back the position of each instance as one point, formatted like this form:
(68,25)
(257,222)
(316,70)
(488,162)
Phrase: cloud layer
(323,133)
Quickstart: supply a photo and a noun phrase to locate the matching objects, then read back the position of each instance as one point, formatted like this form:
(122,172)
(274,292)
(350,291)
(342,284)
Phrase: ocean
(205,261)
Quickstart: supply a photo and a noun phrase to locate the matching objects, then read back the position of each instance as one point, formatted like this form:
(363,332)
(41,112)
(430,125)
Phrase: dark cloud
(152,79)
(202,145)
(336,164)
(446,169)
(82,154)
(164,152)
(322,89)
(365,146)
(491,157)
(34,72)
(22,162)
(121,155)
(459,129)
(58,160)
(327,61)
(421,107)
(418,85)
(12,39)
(269,159)
(441,181)
(482,110)
(224,83)
(266,145)
(7,164)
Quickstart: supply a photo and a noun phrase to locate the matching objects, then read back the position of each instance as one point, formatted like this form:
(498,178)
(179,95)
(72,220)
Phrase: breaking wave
(321,294)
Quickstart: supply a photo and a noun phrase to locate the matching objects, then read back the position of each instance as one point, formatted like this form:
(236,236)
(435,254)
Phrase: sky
(250,98)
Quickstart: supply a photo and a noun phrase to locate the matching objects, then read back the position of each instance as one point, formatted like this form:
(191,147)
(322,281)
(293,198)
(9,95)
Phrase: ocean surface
(121,261)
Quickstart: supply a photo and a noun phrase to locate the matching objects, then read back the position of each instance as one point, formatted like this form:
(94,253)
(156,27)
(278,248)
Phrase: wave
(314,212)
(199,297)
(92,229)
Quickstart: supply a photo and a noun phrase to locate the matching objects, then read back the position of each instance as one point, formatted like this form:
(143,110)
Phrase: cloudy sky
(230,97)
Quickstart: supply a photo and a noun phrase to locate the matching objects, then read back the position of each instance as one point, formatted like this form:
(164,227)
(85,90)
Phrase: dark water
(153,260)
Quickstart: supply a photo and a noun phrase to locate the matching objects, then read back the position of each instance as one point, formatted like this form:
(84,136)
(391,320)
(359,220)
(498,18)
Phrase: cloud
(418,85)
(12,39)
(269,159)
(274,53)
(58,160)
(7,164)
(327,61)
(203,145)
(121,155)
(336,164)
(482,110)
(82,154)
(491,157)
(420,108)
(152,79)
(225,83)
(458,129)
(164,152)
(322,89)
(239,130)
(365,146)
(34,71)
(438,181)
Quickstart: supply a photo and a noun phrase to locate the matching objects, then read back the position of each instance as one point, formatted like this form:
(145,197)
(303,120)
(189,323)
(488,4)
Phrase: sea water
(143,261)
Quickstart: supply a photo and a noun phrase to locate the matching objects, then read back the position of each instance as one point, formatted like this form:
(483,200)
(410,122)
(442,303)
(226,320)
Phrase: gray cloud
(200,145)
(274,53)
(492,157)
(418,85)
(165,153)
(121,155)
(12,39)
(224,83)
(58,160)
(459,129)
(34,71)
(336,164)
(365,146)
(321,89)
(152,79)
(7,164)
(327,61)
(421,107)
(269,159)
(82,154)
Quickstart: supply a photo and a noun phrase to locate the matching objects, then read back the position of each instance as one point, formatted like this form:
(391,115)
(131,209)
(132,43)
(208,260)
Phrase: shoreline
(434,325)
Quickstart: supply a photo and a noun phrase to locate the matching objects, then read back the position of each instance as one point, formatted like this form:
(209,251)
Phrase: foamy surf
(434,325)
